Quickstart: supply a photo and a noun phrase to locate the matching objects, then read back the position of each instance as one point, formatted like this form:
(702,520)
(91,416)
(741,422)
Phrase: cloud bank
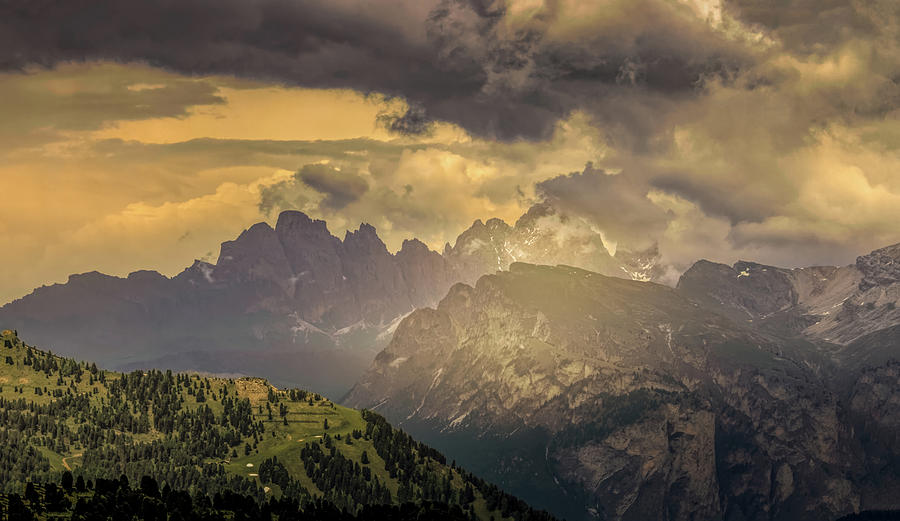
(723,129)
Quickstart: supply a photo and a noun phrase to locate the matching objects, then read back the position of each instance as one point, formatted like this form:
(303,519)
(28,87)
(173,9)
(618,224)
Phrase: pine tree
(67,481)
(468,494)
(31,494)
(404,494)
(149,487)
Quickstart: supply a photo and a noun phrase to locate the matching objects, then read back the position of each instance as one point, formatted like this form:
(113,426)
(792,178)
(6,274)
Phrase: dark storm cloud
(36,111)
(413,121)
(732,199)
(532,74)
(454,60)
(616,204)
(339,187)
(280,196)
(812,26)
(756,128)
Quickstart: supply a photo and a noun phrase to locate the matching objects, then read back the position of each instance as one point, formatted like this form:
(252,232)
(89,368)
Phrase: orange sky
(96,187)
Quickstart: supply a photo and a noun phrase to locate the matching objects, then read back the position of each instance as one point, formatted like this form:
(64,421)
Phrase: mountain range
(543,359)
(293,303)
(748,392)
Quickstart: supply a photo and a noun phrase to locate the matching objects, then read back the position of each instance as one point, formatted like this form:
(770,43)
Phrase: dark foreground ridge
(116,499)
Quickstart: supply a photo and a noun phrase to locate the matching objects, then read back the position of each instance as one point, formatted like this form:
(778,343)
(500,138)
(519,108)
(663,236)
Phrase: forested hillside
(207,439)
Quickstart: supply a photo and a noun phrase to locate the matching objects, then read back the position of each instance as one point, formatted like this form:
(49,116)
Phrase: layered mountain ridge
(830,304)
(293,303)
(545,236)
(299,267)
(746,392)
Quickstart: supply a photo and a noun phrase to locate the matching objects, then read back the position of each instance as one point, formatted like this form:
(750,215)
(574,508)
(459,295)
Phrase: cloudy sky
(138,134)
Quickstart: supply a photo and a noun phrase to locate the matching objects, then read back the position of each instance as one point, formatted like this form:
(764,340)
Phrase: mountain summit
(293,303)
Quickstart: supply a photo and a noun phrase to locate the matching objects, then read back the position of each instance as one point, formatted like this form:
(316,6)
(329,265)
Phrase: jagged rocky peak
(365,255)
(295,221)
(534,212)
(545,235)
(259,240)
(200,272)
(364,240)
(833,304)
(642,265)
(496,224)
(249,239)
(414,247)
(257,253)
(479,235)
(879,268)
(312,251)
(426,273)
(414,252)
(774,285)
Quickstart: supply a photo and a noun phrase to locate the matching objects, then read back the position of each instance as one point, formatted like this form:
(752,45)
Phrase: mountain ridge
(834,304)
(292,302)
(727,395)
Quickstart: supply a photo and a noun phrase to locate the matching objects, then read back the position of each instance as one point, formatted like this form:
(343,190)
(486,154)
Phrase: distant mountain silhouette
(293,303)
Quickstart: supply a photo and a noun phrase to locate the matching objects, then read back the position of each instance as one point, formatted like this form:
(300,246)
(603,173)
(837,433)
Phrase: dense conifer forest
(79,442)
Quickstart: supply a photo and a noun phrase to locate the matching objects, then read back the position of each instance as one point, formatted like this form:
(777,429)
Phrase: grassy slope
(305,422)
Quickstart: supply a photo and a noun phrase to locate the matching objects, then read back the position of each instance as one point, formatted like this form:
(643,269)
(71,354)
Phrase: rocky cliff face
(628,401)
(835,305)
(879,268)
(299,267)
(292,302)
(544,236)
